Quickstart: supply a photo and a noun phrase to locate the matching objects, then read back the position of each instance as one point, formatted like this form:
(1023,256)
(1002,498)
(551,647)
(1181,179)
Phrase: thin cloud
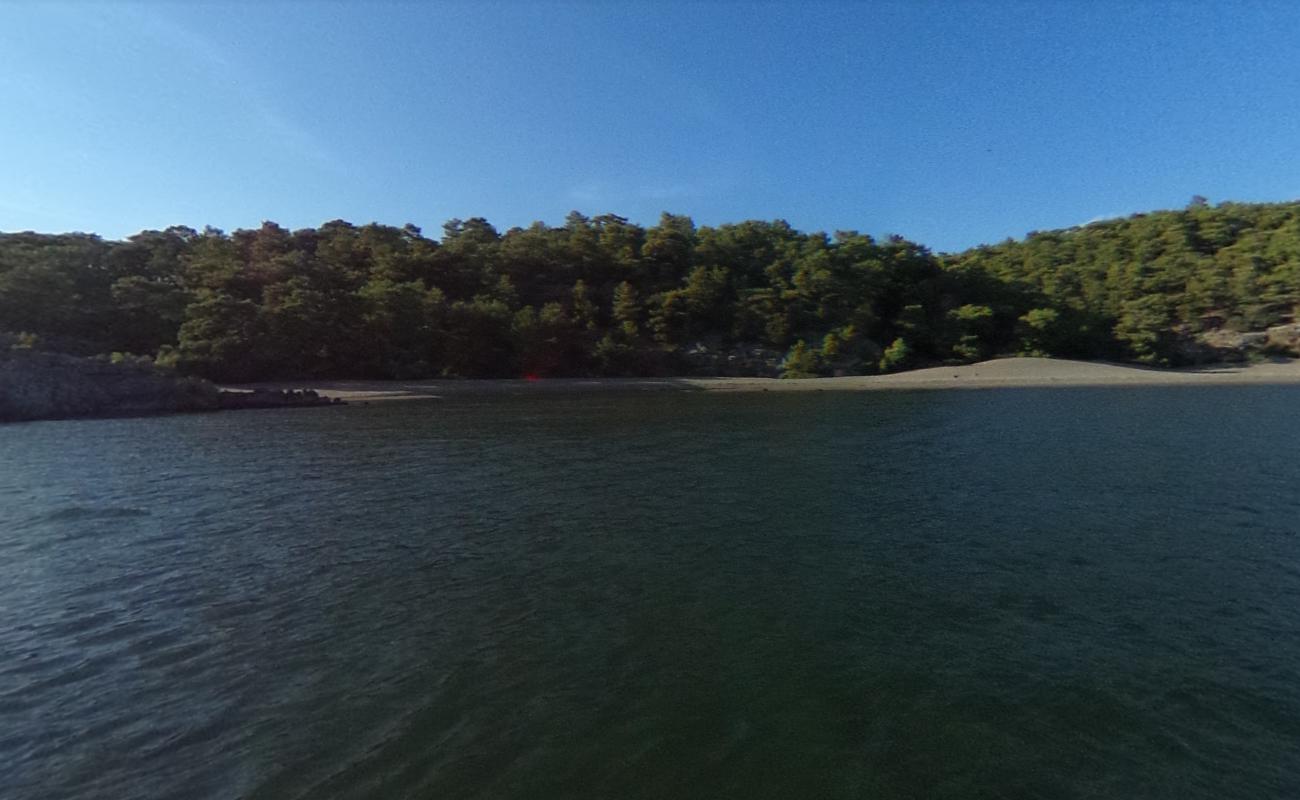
(211,58)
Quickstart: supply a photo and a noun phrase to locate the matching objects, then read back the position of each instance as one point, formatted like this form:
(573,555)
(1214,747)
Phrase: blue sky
(951,123)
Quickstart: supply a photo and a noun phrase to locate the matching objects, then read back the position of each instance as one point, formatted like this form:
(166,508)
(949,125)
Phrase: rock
(1187,348)
(710,358)
(1224,339)
(1225,344)
(237,399)
(1284,340)
(38,385)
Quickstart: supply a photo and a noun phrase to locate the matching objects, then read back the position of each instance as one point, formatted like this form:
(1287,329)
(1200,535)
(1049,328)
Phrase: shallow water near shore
(1007,593)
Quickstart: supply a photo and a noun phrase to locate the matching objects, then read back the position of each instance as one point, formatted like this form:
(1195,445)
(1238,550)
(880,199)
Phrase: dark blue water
(1022,593)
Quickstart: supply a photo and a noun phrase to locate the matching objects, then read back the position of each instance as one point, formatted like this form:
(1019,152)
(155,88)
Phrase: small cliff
(1226,345)
(37,385)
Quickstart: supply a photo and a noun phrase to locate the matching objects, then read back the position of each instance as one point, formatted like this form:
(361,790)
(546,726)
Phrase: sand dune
(995,374)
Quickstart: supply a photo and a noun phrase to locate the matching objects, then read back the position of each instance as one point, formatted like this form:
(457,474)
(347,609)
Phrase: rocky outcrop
(712,359)
(37,385)
(1226,345)
(709,358)
(1283,340)
(273,398)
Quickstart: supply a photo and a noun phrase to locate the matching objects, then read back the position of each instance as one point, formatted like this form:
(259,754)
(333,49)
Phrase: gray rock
(1225,344)
(712,359)
(37,385)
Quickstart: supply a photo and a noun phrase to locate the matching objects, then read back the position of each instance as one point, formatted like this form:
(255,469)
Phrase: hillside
(1153,282)
(605,297)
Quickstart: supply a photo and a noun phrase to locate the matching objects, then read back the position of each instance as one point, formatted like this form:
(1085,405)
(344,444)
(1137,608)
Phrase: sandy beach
(1002,373)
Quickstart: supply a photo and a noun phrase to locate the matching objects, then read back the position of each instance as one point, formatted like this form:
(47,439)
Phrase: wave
(93,512)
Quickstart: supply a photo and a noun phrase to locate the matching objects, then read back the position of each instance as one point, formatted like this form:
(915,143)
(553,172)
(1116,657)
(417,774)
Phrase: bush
(21,341)
(896,357)
(800,362)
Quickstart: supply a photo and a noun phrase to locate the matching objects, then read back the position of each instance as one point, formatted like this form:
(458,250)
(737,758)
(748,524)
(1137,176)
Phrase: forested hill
(1153,281)
(605,296)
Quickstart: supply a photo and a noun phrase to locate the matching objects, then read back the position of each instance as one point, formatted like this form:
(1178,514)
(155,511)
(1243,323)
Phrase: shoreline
(1003,373)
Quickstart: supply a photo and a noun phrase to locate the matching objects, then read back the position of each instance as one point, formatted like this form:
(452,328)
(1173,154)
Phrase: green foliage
(897,356)
(1144,327)
(24,341)
(141,363)
(167,360)
(602,295)
(800,362)
(1040,331)
(219,338)
(973,327)
(401,326)
(627,310)
(584,309)
(832,346)
(613,355)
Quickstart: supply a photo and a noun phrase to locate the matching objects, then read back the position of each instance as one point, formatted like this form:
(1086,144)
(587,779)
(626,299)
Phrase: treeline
(603,296)
(1149,283)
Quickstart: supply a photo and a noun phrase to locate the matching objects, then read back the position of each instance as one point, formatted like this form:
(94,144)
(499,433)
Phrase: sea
(1010,593)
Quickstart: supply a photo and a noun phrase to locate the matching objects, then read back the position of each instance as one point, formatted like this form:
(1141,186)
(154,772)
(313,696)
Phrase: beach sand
(1003,373)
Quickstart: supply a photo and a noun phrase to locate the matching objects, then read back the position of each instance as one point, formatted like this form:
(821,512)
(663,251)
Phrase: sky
(950,123)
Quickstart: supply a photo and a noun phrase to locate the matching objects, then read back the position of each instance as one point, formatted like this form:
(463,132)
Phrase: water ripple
(978,594)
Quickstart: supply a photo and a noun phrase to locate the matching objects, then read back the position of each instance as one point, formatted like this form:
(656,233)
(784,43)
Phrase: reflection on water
(1067,593)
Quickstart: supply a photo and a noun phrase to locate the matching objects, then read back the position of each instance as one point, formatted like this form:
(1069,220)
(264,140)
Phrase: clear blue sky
(951,123)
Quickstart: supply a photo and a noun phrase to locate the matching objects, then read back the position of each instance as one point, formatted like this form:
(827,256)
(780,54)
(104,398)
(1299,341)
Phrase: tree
(1144,326)
(583,308)
(219,338)
(147,313)
(480,344)
(974,327)
(896,357)
(401,325)
(800,362)
(603,294)
(627,310)
(1040,332)
(668,249)
(545,343)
